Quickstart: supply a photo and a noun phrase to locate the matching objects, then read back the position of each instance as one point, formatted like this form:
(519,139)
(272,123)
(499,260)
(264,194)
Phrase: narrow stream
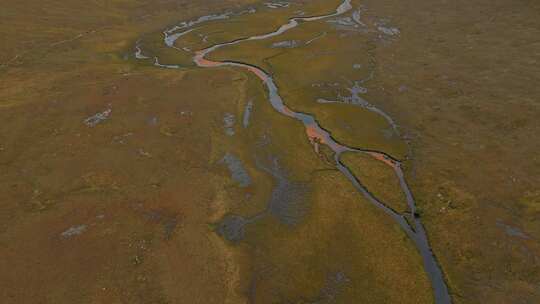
(410,224)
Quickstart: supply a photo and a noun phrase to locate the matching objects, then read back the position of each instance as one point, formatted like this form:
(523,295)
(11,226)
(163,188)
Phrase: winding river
(411,222)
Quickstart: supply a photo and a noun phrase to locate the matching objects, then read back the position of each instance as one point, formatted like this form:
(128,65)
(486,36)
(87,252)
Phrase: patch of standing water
(275,5)
(391,31)
(325,85)
(138,52)
(344,21)
(247,113)
(403,88)
(287,44)
(352,23)
(72,231)
(228,123)
(153,121)
(97,118)
(354,98)
(288,202)
(383,27)
(512,231)
(237,170)
(356,16)
(232,228)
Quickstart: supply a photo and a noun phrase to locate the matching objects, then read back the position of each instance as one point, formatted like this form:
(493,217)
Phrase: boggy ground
(460,83)
(117,176)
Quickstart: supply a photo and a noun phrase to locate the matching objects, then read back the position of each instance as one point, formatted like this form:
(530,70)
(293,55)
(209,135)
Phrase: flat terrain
(130,175)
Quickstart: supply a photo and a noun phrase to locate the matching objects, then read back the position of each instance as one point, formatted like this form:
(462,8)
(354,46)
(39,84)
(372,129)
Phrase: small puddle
(73,231)
(287,44)
(97,118)
(237,170)
(275,5)
(247,113)
(228,124)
